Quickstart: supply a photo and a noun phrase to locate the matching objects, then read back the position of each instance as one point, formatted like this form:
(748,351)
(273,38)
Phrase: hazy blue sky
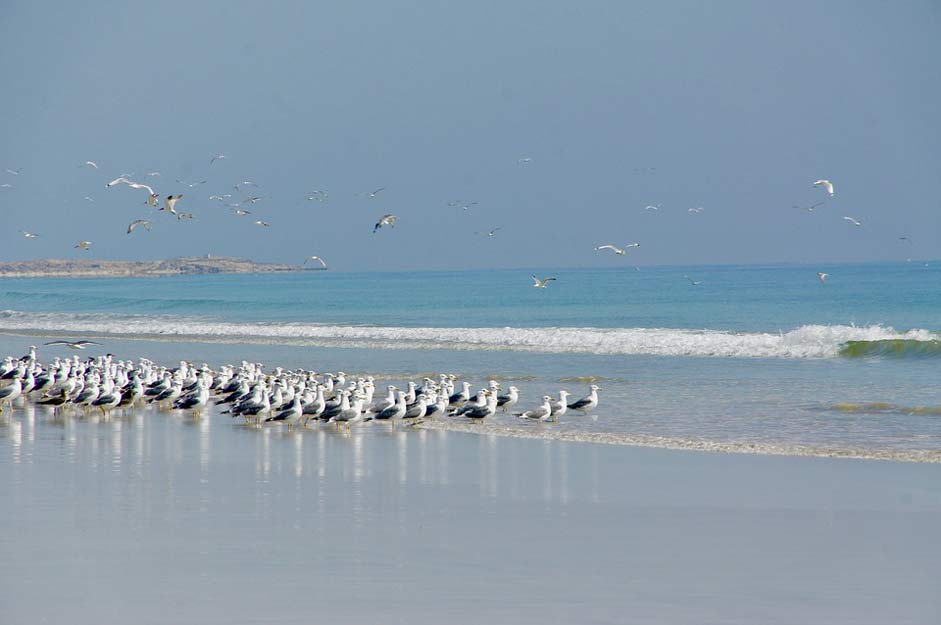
(739,107)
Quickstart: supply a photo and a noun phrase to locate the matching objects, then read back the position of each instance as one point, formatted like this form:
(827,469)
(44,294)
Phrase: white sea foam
(809,341)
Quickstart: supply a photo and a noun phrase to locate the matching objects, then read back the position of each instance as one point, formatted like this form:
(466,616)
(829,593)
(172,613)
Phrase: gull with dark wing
(138,222)
(693,282)
(217,157)
(385,220)
(73,344)
(542,413)
(589,402)
(541,283)
(263,224)
(169,204)
(83,245)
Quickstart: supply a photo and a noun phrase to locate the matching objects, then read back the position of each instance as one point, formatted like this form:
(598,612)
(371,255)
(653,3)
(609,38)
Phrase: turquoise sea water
(764,355)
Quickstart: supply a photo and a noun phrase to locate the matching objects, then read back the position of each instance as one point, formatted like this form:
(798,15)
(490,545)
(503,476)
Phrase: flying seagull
(693,282)
(15,172)
(852,221)
(524,160)
(822,276)
(83,245)
(810,208)
(317,258)
(826,184)
(217,157)
(259,222)
(184,216)
(73,344)
(698,209)
(154,173)
(169,204)
(541,283)
(240,211)
(371,193)
(29,235)
(92,164)
(617,250)
(385,220)
(490,233)
(138,222)
(320,196)
(652,207)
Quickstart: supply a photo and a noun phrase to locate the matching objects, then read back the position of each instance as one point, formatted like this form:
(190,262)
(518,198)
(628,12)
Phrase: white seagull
(698,209)
(852,221)
(490,233)
(822,276)
(652,207)
(317,258)
(617,250)
(810,208)
(29,235)
(259,222)
(169,204)
(15,172)
(217,157)
(693,282)
(73,344)
(83,245)
(92,164)
(138,222)
(826,184)
(385,220)
(524,160)
(541,283)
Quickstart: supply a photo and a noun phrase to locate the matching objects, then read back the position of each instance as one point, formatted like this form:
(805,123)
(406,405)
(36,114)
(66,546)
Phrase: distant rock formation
(193,265)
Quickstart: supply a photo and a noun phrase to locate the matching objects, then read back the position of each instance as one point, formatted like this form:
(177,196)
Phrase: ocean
(758,358)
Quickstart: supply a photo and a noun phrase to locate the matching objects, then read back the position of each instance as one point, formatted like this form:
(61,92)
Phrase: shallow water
(156,517)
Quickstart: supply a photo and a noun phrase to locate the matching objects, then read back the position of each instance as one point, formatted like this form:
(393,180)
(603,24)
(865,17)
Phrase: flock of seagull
(291,397)
(247,197)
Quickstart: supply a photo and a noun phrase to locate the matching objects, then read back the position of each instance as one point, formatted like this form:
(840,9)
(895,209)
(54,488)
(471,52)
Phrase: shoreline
(183,266)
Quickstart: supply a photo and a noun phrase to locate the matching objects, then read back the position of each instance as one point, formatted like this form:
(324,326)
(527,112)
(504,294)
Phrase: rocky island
(86,268)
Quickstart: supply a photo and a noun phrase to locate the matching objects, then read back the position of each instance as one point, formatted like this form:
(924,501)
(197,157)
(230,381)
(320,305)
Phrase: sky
(735,107)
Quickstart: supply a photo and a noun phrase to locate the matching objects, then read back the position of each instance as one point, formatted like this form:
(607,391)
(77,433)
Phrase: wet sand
(157,518)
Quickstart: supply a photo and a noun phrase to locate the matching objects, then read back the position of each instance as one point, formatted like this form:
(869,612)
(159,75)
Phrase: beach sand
(158,518)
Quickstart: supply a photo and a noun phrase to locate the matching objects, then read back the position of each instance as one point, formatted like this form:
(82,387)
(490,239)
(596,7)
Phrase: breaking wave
(809,341)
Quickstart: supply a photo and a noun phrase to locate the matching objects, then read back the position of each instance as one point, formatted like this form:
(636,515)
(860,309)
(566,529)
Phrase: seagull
(246,183)
(319,196)
(241,211)
(317,258)
(826,184)
(6,185)
(73,344)
(88,198)
(617,250)
(29,235)
(220,198)
(385,220)
(83,245)
(15,172)
(693,282)
(92,164)
(371,193)
(524,160)
(822,276)
(259,222)
(193,184)
(118,180)
(852,221)
(698,209)
(542,413)
(217,157)
(489,233)
(169,204)
(589,402)
(154,174)
(905,238)
(810,208)
(464,205)
(184,216)
(138,222)
(541,283)
(652,207)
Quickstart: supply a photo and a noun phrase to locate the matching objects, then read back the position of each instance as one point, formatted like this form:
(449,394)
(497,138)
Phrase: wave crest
(809,341)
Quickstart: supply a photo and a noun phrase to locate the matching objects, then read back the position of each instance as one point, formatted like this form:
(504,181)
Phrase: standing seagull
(385,220)
(83,245)
(317,258)
(589,402)
(853,221)
(826,184)
(541,283)
(822,277)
